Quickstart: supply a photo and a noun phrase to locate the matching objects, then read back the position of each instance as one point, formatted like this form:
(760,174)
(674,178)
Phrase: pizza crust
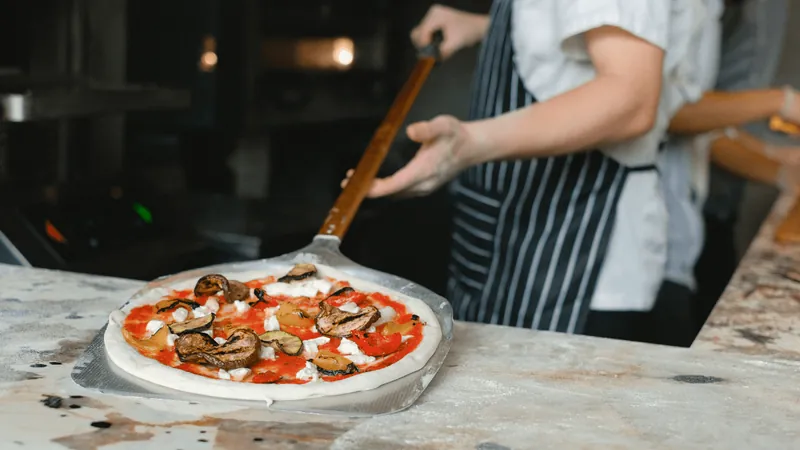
(129,360)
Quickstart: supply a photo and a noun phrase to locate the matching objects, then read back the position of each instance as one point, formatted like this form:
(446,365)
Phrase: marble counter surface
(759,313)
(499,388)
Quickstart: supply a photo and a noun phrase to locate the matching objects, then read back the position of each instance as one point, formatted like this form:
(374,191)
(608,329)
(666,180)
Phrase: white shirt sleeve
(646,19)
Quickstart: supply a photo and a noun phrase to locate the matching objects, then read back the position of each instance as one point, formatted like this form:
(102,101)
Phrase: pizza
(308,331)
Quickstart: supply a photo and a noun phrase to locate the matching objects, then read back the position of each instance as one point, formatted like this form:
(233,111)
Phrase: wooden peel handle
(788,231)
(346,206)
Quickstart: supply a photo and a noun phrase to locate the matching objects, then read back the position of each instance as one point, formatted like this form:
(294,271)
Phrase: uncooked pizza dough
(124,356)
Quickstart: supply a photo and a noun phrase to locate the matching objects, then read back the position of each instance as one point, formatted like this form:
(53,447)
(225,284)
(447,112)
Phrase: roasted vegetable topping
(342,291)
(401,328)
(377,344)
(237,291)
(210,285)
(154,343)
(332,321)
(199,324)
(283,341)
(331,364)
(291,315)
(232,289)
(299,272)
(166,305)
(242,349)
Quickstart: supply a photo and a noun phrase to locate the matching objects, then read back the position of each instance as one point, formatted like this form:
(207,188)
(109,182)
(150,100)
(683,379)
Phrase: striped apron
(529,236)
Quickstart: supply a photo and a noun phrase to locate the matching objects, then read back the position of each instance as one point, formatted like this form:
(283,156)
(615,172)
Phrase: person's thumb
(430,130)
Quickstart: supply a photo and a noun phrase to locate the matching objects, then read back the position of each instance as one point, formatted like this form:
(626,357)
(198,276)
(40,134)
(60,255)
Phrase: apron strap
(643,168)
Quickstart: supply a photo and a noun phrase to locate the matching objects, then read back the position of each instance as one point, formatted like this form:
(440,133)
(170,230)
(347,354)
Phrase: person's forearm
(744,157)
(603,111)
(725,109)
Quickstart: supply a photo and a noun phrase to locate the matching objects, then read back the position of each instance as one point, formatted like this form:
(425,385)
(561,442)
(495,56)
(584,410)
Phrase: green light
(143,212)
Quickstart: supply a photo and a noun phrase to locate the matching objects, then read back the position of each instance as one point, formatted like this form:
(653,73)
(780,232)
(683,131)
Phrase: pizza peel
(95,371)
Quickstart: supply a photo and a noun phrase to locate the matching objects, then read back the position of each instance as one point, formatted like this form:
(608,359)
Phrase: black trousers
(714,268)
(623,325)
(671,321)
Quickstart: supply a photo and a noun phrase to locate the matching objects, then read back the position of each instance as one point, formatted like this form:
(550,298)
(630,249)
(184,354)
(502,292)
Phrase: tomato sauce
(283,369)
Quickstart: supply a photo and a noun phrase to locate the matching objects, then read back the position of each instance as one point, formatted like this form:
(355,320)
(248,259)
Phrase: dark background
(248,169)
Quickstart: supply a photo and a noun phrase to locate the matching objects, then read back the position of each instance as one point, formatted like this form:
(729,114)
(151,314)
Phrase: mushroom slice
(242,349)
(155,343)
(198,324)
(334,322)
(299,272)
(283,341)
(331,364)
(166,305)
(236,291)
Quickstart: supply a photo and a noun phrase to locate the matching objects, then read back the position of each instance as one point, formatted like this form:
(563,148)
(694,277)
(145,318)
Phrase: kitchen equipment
(94,371)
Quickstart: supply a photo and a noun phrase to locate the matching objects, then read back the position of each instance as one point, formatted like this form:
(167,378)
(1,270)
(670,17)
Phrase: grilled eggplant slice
(242,349)
(283,341)
(331,364)
(259,293)
(236,291)
(211,284)
(167,305)
(334,322)
(154,343)
(199,324)
(342,291)
(299,272)
(290,315)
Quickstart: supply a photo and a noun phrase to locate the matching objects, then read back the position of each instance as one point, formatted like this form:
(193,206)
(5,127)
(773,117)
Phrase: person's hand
(790,110)
(788,177)
(447,148)
(460,29)
(786,155)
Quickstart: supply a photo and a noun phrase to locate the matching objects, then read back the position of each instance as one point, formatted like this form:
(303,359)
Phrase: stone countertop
(499,388)
(759,313)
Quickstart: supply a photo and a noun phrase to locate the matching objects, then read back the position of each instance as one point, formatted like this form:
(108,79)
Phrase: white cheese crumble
(351,351)
(153,326)
(241,307)
(405,338)
(272,324)
(224,375)
(201,311)
(220,340)
(309,372)
(271,311)
(314,329)
(171,338)
(239,374)
(306,288)
(267,352)
(387,314)
(360,360)
(212,304)
(180,315)
(209,332)
(372,329)
(311,346)
(350,307)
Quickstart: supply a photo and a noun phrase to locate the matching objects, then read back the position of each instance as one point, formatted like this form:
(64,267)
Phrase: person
(695,135)
(558,210)
(753,32)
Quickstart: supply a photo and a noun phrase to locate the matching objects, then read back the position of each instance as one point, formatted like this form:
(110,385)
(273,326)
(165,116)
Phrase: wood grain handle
(788,231)
(346,206)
